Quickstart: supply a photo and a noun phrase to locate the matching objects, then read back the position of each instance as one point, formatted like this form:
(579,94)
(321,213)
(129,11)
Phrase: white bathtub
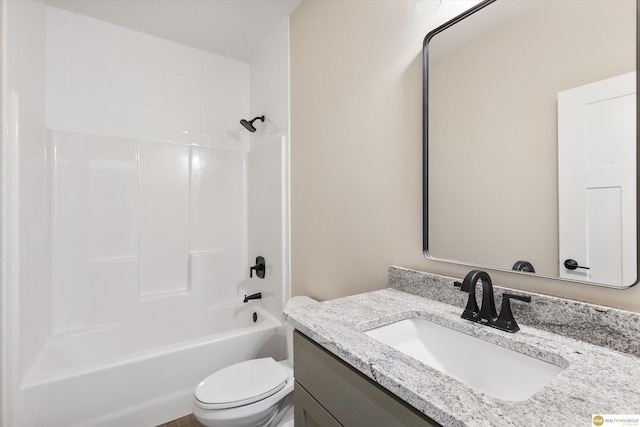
(122,377)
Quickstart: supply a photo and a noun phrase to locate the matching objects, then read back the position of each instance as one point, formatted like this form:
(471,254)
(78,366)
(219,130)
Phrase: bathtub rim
(31,380)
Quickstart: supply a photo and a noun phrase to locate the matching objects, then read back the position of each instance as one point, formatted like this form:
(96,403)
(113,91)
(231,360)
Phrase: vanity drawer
(350,397)
(308,412)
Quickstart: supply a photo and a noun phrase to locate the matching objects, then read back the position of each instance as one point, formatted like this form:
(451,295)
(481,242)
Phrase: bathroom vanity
(329,392)
(346,377)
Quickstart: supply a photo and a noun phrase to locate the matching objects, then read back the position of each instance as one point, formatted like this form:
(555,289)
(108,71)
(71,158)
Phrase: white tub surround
(595,379)
(134,203)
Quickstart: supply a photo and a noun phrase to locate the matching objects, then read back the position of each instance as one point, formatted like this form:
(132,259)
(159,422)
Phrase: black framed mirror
(530,142)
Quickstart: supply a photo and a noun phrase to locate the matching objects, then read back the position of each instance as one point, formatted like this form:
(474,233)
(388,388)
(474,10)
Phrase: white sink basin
(484,366)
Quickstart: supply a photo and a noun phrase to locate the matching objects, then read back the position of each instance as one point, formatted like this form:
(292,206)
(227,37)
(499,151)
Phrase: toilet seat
(241,384)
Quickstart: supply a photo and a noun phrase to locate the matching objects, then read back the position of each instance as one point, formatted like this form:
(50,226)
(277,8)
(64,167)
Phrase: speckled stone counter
(595,379)
(595,324)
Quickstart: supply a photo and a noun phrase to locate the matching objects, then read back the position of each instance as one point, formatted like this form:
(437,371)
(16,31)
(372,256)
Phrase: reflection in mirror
(530,139)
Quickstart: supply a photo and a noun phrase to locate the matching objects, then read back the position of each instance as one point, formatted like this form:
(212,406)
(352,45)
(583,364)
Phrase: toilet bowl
(256,392)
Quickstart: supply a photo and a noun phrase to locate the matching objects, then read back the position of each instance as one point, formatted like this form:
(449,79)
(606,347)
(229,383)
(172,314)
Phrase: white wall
(269,81)
(3,392)
(267,167)
(108,80)
(25,210)
(149,192)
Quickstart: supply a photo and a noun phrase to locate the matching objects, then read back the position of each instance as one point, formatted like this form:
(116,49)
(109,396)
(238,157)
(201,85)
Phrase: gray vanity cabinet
(329,393)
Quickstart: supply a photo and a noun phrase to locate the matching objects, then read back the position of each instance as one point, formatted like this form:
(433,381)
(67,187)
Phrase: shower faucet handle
(259,268)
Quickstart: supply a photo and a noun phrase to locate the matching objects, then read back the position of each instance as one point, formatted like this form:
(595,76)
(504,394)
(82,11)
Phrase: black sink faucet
(487,315)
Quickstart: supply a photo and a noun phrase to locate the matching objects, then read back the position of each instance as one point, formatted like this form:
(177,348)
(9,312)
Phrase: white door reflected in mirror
(597,180)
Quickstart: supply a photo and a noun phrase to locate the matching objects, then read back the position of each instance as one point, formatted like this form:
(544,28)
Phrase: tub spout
(254,296)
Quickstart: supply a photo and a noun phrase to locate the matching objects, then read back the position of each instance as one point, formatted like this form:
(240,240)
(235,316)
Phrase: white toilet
(252,393)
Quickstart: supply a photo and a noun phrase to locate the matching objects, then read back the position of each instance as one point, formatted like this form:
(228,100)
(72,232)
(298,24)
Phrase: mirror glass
(530,139)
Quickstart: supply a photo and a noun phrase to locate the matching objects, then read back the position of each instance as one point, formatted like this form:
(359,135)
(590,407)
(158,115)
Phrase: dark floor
(188,421)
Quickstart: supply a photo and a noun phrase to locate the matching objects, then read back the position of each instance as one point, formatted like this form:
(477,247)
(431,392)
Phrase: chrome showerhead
(249,125)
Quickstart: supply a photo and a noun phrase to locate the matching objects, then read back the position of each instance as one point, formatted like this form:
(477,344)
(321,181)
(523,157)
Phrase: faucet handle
(505,320)
(259,268)
(462,285)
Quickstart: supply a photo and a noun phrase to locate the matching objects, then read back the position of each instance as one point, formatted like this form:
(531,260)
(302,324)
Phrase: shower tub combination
(132,203)
(123,339)
(115,377)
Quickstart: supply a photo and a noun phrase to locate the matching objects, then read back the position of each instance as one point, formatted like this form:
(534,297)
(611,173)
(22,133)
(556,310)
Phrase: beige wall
(356,169)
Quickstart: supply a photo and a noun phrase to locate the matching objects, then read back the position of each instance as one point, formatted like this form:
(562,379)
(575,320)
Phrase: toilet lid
(241,384)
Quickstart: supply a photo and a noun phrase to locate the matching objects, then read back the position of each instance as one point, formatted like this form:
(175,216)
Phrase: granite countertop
(596,380)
